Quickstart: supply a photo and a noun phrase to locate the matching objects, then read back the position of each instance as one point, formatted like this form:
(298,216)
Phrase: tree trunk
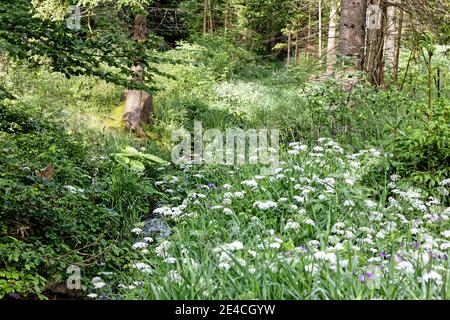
(2,64)
(391,35)
(211,21)
(289,48)
(375,43)
(205,16)
(352,33)
(397,43)
(331,46)
(320,32)
(297,46)
(308,41)
(138,104)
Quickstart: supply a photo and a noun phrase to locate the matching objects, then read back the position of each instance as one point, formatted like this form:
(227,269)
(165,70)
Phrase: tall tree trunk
(289,48)
(320,32)
(308,41)
(225,21)
(138,104)
(210,17)
(208,23)
(297,46)
(331,45)
(391,35)
(352,33)
(375,43)
(398,41)
(205,16)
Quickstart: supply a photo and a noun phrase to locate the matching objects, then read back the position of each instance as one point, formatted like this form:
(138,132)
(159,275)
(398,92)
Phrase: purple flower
(302,249)
(384,255)
(365,277)
(212,185)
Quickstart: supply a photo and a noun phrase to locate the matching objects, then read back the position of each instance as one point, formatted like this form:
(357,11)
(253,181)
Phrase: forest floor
(334,221)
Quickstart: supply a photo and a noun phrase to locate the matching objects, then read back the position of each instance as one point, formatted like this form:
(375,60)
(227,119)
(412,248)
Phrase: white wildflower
(227,211)
(250,183)
(137,231)
(432,276)
(170,260)
(139,245)
(143,267)
(99,285)
(292,225)
(264,205)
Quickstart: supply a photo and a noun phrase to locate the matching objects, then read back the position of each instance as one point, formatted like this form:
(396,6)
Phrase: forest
(224,149)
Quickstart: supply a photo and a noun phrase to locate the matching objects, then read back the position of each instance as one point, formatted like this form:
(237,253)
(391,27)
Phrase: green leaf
(137,165)
(153,158)
(130,151)
(121,158)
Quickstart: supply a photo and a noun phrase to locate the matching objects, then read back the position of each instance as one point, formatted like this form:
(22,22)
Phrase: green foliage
(222,57)
(136,160)
(50,43)
(80,214)
(71,191)
(423,150)
(21,283)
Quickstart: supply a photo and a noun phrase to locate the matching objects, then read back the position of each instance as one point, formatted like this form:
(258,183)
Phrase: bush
(422,150)
(77,212)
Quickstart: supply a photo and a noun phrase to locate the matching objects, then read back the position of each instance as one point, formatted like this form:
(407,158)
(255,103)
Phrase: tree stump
(138,110)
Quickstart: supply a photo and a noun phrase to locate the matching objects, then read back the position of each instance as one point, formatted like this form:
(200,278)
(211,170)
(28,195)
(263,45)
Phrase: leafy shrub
(76,213)
(423,150)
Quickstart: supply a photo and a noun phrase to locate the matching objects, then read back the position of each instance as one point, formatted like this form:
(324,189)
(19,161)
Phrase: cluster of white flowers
(139,245)
(292,225)
(250,183)
(265,205)
(141,266)
(98,283)
(162,250)
(170,212)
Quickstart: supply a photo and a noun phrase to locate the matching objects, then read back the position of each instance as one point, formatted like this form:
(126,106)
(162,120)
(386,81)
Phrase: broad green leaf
(137,165)
(153,158)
